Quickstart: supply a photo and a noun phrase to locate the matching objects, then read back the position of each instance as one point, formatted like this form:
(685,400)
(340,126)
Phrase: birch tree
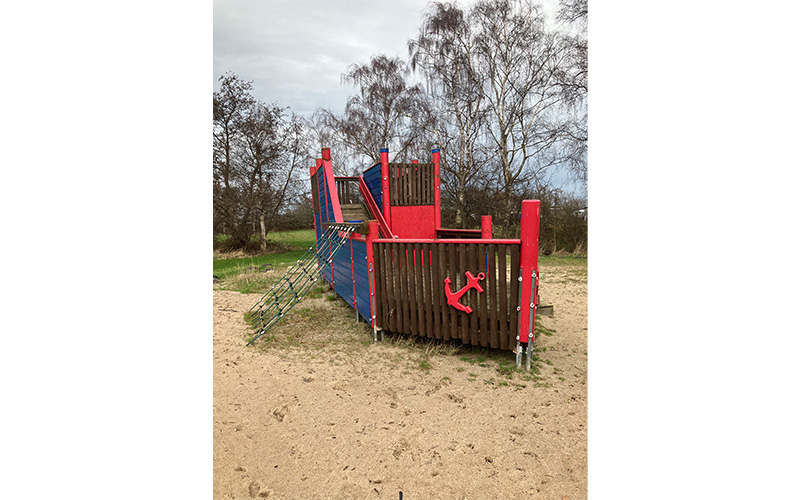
(454,110)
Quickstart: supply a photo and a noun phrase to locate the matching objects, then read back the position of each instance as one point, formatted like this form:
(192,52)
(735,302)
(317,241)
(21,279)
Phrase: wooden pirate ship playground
(381,247)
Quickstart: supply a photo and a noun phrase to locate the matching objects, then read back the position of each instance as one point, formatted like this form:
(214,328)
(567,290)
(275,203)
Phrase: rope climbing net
(299,279)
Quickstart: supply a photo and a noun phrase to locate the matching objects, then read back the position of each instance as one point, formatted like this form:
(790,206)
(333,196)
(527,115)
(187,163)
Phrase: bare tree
(257,153)
(230,107)
(574,15)
(378,115)
(521,64)
(455,108)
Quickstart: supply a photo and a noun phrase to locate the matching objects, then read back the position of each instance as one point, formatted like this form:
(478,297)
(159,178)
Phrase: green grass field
(301,240)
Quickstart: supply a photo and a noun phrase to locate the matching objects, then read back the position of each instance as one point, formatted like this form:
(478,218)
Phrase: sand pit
(328,414)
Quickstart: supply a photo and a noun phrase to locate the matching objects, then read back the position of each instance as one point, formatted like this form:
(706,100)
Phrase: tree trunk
(263,233)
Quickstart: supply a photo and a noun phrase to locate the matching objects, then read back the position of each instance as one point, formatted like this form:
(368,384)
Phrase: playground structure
(381,247)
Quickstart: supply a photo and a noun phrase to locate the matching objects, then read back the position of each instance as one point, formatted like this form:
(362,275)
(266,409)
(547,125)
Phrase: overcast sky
(295,51)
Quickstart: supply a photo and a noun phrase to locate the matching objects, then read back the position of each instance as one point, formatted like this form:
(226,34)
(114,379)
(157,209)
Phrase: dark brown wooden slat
(418,182)
(386,266)
(452,270)
(412,186)
(514,298)
(397,314)
(420,289)
(421,302)
(491,296)
(462,267)
(387,292)
(408,185)
(423,184)
(400,255)
(432,186)
(482,257)
(441,267)
(474,301)
(377,275)
(429,184)
(468,299)
(315,192)
(412,290)
(403,186)
(393,182)
(399,172)
(426,275)
(397,297)
(433,272)
(401,272)
(502,295)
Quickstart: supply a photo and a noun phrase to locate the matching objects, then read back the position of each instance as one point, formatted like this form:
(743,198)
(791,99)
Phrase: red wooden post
(372,234)
(331,182)
(385,196)
(353,273)
(486,227)
(437,195)
(529,267)
(321,201)
(311,172)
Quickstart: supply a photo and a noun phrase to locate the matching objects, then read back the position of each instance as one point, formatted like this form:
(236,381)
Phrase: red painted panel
(414,222)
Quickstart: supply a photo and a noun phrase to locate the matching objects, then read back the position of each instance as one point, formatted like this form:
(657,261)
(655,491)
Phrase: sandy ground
(317,419)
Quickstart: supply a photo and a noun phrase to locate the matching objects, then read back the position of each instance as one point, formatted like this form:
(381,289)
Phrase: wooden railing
(410,289)
(411,184)
(348,191)
(458,233)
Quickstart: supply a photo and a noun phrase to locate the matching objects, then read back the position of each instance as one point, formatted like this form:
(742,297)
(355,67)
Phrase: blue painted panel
(326,205)
(362,283)
(343,274)
(372,178)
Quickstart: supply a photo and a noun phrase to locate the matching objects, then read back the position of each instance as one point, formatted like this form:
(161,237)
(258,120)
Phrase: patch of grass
(290,246)
(506,368)
(316,292)
(424,365)
(542,330)
(563,260)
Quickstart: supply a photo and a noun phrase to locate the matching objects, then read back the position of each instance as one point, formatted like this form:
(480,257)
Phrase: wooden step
(355,211)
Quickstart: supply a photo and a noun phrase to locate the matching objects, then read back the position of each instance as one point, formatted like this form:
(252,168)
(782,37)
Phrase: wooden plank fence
(410,290)
(412,184)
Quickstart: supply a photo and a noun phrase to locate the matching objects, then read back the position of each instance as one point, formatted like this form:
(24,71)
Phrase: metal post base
(528,356)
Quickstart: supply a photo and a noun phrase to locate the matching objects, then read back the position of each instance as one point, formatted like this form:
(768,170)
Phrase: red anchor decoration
(453,298)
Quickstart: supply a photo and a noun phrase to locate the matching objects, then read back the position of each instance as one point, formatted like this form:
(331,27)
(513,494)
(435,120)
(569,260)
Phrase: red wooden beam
(372,206)
(463,242)
(437,193)
(327,168)
(385,196)
(372,235)
(529,267)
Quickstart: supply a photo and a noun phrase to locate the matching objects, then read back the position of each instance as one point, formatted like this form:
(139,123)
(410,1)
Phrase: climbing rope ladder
(299,278)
